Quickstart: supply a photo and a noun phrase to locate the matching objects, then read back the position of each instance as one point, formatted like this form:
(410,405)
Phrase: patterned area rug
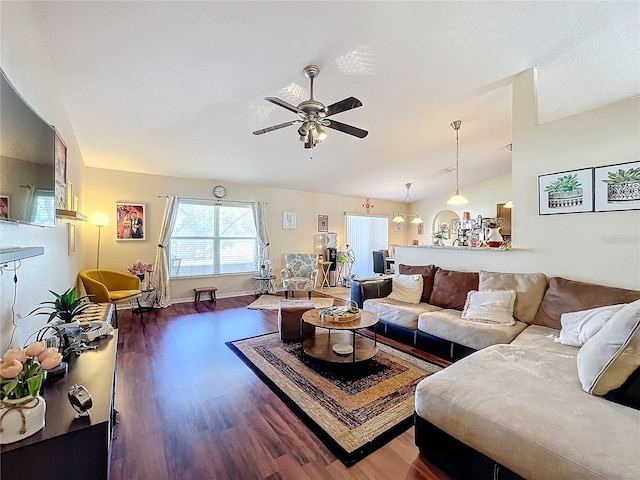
(354,411)
(272,302)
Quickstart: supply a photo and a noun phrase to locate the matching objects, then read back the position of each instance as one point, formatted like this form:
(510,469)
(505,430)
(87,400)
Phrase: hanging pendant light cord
(457,161)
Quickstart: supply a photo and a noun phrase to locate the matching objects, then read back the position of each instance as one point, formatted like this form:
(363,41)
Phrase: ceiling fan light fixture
(417,220)
(398,219)
(321,133)
(509,204)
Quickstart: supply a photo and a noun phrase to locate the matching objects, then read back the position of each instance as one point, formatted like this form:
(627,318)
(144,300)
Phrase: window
(210,238)
(364,234)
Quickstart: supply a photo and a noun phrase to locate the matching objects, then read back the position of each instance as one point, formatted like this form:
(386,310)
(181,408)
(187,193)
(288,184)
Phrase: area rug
(272,302)
(353,411)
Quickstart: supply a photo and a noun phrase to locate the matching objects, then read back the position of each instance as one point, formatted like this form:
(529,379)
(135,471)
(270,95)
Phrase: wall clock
(219,191)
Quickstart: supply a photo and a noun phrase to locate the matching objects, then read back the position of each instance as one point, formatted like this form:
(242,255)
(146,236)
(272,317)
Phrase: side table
(146,301)
(264,285)
(325,267)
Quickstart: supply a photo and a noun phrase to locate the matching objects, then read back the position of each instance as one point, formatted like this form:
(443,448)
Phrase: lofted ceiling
(176,88)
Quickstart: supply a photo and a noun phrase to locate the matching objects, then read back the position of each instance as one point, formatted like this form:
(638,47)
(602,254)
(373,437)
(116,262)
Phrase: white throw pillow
(578,327)
(611,355)
(406,288)
(490,306)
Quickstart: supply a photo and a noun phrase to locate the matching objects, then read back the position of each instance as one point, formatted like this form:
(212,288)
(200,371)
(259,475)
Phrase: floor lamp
(99,220)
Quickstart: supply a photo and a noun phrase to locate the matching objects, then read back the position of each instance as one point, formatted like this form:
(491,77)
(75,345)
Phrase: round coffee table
(340,336)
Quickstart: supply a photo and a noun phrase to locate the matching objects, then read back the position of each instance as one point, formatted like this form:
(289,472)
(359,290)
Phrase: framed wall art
(4,207)
(288,220)
(565,192)
(130,221)
(61,160)
(72,238)
(323,223)
(617,187)
(61,196)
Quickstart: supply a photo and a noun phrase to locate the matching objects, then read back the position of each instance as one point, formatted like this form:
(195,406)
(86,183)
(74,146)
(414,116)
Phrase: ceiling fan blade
(343,105)
(284,104)
(276,127)
(351,130)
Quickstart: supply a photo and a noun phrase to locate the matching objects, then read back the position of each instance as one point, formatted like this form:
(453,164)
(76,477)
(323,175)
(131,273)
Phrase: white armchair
(299,274)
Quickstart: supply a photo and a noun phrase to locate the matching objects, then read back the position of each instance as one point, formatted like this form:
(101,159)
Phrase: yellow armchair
(110,286)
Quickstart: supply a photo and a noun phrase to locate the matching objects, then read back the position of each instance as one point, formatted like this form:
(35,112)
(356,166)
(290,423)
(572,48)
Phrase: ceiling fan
(313,115)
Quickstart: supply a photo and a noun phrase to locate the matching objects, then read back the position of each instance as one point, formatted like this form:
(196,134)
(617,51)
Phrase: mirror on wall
(27,180)
(442,223)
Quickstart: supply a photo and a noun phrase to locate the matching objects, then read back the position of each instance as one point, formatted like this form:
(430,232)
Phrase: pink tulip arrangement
(139,268)
(22,371)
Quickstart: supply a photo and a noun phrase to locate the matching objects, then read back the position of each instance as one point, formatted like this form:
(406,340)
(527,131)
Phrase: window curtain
(260,221)
(161,267)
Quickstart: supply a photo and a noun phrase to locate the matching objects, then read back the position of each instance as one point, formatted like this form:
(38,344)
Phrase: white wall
(602,248)
(24,59)
(106,187)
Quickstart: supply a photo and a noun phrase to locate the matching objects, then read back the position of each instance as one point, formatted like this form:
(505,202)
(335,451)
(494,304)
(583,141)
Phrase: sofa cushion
(399,313)
(448,325)
(406,288)
(542,338)
(450,288)
(578,327)
(490,306)
(529,288)
(611,355)
(427,272)
(564,296)
(524,408)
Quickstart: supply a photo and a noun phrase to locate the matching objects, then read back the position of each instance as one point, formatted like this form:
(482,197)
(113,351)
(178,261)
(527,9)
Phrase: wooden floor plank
(191,409)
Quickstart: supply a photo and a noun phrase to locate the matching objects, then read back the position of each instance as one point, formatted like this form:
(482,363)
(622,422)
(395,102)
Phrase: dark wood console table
(71,448)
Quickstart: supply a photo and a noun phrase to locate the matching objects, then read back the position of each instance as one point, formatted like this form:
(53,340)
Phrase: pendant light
(457,199)
(399,218)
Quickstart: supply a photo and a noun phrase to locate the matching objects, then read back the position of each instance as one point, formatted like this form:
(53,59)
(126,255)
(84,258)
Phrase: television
(27,159)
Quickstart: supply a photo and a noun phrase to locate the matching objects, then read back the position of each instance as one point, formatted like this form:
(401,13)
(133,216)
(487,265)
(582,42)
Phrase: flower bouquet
(139,268)
(22,371)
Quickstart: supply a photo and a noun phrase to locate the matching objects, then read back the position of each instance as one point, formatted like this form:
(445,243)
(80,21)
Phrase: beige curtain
(161,267)
(260,221)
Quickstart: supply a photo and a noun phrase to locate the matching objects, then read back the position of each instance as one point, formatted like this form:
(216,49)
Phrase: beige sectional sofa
(520,404)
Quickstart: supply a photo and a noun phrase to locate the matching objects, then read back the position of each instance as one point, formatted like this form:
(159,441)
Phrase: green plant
(630,176)
(66,306)
(565,183)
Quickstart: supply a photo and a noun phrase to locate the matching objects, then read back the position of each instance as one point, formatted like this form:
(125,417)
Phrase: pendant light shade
(457,199)
(399,218)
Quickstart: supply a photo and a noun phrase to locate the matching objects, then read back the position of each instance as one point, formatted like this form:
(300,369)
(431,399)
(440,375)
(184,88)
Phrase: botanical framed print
(4,207)
(323,223)
(617,187)
(72,238)
(288,220)
(61,160)
(130,221)
(565,192)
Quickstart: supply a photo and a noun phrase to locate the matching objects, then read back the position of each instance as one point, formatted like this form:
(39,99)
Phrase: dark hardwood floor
(190,409)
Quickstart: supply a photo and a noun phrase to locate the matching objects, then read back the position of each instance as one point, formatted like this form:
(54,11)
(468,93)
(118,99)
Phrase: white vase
(494,239)
(21,418)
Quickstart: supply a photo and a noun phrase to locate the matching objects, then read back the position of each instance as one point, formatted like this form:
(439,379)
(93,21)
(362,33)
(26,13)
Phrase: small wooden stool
(211,290)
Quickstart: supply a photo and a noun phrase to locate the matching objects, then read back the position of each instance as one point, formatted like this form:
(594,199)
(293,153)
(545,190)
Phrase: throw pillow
(490,306)
(564,296)
(608,358)
(529,288)
(406,288)
(427,271)
(450,288)
(578,327)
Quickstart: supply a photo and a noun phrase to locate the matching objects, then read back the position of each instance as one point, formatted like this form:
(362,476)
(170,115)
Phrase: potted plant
(65,307)
(623,185)
(565,191)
